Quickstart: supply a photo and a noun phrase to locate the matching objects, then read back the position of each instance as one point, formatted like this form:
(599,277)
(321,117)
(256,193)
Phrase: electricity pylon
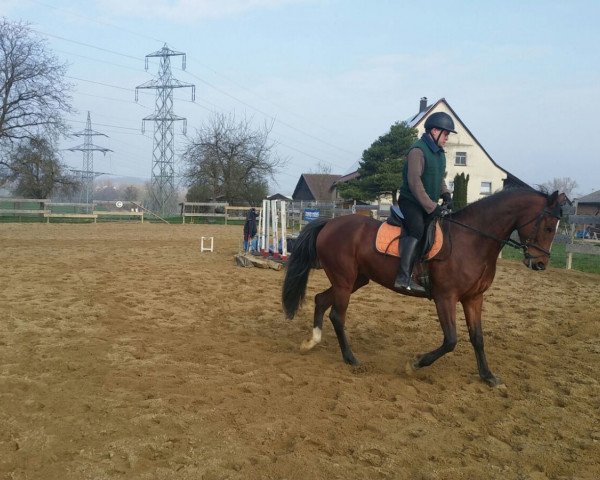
(163,154)
(87,171)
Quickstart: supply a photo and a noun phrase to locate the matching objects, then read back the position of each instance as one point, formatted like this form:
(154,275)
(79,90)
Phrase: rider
(422,185)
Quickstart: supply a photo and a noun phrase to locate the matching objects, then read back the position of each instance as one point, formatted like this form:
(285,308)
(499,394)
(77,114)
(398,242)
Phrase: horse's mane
(499,196)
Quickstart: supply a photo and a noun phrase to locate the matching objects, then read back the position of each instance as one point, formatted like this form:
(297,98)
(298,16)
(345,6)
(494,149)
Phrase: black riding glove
(447,201)
(439,211)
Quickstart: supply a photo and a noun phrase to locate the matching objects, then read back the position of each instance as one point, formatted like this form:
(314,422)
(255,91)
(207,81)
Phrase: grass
(581,262)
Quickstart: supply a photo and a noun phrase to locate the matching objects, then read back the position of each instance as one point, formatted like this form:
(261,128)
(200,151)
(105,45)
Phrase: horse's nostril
(540,266)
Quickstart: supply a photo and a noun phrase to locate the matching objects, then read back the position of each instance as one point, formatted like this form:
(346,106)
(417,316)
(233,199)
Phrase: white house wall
(480,167)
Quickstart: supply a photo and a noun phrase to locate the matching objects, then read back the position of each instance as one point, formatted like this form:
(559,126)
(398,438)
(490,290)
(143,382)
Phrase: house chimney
(423,104)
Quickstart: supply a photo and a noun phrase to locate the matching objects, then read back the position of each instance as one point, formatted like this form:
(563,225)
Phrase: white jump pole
(283,230)
(275,218)
(264,233)
(259,230)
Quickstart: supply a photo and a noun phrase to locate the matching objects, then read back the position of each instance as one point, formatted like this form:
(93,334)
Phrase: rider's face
(441,139)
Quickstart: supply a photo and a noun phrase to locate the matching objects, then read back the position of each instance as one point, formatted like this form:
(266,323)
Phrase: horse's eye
(549,229)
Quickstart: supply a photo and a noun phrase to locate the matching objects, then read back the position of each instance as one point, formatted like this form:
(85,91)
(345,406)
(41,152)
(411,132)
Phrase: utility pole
(88,149)
(163,153)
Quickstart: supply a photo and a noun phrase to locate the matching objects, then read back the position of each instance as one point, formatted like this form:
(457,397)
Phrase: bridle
(556,213)
(530,242)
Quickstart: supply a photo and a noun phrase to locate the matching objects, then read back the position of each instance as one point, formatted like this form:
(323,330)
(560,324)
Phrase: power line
(258,110)
(209,84)
(201,106)
(96,20)
(268,115)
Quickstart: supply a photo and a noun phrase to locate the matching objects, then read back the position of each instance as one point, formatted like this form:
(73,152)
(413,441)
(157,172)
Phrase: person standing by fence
(250,230)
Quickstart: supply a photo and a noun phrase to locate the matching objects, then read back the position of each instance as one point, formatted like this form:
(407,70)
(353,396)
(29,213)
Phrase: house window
(460,159)
(486,188)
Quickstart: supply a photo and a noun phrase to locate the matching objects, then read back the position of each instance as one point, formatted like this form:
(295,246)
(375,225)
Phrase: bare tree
(322,167)
(33,92)
(34,170)
(231,159)
(130,193)
(564,185)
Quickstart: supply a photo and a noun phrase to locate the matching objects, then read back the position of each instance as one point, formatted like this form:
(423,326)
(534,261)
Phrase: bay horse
(461,272)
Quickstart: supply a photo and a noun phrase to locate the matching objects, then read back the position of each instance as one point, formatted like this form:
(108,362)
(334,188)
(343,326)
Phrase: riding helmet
(440,120)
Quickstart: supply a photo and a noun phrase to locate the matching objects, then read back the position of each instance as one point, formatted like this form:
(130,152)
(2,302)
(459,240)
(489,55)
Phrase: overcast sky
(334,75)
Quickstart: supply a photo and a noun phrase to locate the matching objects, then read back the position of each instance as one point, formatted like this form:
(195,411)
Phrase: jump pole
(275,221)
(283,215)
(272,227)
(264,233)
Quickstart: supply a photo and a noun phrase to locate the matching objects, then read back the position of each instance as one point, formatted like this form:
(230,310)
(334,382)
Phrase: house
(589,204)
(464,154)
(316,187)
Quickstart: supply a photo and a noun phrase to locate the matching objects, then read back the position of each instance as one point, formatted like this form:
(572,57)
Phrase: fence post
(570,254)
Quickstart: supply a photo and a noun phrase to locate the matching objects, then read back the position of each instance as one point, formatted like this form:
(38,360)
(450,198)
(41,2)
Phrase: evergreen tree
(459,196)
(380,170)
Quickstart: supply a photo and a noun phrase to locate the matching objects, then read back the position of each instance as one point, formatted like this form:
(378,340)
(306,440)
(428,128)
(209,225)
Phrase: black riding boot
(408,253)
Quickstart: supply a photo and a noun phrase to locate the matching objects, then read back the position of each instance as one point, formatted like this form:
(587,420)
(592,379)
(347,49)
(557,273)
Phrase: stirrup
(417,288)
(414,287)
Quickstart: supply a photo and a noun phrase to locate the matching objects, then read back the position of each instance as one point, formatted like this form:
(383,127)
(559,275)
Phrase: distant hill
(115,180)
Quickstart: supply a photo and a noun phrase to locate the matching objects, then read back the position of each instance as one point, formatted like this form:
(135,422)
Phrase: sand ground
(125,353)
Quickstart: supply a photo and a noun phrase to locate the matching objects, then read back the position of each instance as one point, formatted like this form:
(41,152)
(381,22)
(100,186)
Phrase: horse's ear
(562,199)
(552,198)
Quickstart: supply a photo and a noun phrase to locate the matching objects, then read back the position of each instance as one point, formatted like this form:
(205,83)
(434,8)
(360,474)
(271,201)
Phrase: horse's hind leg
(323,301)
(338,319)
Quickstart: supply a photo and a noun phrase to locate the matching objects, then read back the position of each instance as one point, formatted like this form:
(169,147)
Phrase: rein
(514,243)
(510,242)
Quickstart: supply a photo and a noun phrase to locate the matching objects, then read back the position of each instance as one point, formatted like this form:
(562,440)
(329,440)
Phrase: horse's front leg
(472,308)
(446,310)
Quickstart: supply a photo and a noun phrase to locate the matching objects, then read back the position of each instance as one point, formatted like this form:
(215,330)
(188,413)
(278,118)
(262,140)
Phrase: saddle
(387,240)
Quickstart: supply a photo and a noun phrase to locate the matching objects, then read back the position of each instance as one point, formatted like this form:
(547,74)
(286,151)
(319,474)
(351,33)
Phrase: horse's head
(537,234)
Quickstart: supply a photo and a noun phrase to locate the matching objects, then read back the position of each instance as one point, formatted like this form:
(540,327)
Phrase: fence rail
(584,239)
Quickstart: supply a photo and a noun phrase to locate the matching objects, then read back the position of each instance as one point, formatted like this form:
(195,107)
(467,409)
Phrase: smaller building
(588,209)
(316,187)
(589,204)
(279,196)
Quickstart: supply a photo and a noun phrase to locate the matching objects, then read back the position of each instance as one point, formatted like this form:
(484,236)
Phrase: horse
(464,268)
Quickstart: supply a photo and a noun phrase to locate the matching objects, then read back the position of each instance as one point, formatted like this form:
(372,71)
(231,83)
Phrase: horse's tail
(302,259)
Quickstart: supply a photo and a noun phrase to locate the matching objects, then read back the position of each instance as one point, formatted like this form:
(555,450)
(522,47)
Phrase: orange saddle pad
(387,241)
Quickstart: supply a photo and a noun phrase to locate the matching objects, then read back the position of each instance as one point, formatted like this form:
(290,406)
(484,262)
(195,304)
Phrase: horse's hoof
(352,361)
(417,362)
(412,366)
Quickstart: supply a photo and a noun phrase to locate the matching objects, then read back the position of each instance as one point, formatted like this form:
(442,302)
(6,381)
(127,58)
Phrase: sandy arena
(125,353)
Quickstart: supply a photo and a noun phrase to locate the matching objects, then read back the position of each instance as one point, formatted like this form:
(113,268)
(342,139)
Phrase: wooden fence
(587,243)
(28,208)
